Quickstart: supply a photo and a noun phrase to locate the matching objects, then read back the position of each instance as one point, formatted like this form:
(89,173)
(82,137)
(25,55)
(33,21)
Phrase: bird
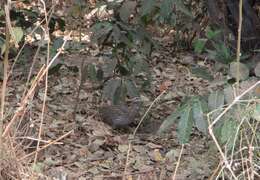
(120,116)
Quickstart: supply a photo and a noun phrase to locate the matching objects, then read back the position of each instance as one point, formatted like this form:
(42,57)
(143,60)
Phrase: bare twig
(239,41)
(6,57)
(178,163)
(47,145)
(38,78)
(147,111)
(46,36)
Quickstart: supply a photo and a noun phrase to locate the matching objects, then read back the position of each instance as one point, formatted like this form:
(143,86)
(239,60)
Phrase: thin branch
(6,57)
(178,162)
(46,36)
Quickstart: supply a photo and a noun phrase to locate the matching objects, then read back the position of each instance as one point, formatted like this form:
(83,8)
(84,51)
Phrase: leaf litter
(96,150)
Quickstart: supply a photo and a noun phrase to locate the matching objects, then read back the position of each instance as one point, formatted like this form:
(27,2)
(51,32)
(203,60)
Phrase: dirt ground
(93,150)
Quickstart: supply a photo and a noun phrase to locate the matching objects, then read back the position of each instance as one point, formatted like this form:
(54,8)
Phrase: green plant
(215,48)
(240,120)
(125,32)
(189,114)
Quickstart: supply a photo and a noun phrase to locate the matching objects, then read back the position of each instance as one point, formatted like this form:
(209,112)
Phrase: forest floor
(76,144)
(96,151)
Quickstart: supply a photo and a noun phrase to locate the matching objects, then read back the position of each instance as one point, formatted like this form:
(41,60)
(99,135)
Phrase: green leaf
(198,109)
(199,45)
(228,132)
(120,37)
(2,13)
(185,124)
(210,34)
(131,89)
(221,53)
(201,72)
(216,100)
(110,88)
(91,72)
(18,34)
(168,122)
(139,64)
(101,32)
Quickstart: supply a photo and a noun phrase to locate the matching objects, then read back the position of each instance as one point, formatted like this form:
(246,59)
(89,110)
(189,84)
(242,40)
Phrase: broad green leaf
(18,34)
(2,12)
(110,88)
(143,38)
(198,110)
(120,37)
(126,10)
(217,130)
(169,121)
(210,34)
(101,32)
(91,72)
(139,64)
(228,132)
(185,124)
(199,45)
(222,53)
(215,100)
(131,89)
(201,72)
